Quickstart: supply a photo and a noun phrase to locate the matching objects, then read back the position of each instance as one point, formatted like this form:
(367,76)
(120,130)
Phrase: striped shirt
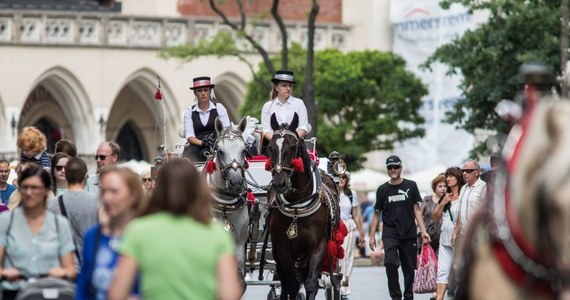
(41,159)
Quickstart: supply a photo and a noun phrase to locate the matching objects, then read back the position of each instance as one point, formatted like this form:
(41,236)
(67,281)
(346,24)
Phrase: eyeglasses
(59,168)
(33,188)
(469,171)
(101,157)
(147,179)
(391,168)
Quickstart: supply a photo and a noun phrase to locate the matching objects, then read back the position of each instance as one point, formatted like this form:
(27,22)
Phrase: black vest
(201,131)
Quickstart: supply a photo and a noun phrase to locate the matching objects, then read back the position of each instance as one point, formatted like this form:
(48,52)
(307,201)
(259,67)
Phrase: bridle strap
(278,168)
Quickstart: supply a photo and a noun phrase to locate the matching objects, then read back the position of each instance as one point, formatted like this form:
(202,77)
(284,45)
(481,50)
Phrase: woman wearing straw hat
(284,105)
(199,119)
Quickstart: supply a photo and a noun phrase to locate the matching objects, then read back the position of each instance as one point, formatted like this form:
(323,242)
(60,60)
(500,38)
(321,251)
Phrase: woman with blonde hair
(122,193)
(176,246)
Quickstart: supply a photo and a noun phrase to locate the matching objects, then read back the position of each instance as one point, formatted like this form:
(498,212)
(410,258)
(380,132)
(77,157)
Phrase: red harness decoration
(210,166)
(297,164)
(334,247)
(158,95)
(250,198)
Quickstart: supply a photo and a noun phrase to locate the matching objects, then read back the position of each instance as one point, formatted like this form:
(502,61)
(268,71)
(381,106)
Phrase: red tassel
(210,166)
(158,95)
(332,249)
(298,165)
(338,237)
(340,252)
(342,228)
(268,165)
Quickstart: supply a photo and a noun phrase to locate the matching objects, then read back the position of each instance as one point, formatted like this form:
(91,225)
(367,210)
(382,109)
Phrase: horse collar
(515,254)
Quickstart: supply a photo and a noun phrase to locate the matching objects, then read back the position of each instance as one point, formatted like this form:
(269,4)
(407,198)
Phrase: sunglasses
(59,168)
(391,168)
(469,171)
(147,179)
(101,157)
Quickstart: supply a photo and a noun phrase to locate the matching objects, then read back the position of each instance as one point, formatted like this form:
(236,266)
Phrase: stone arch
(58,97)
(230,91)
(134,106)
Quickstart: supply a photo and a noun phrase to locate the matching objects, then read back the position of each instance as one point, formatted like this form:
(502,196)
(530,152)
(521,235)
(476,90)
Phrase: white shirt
(204,116)
(447,225)
(346,206)
(469,201)
(284,113)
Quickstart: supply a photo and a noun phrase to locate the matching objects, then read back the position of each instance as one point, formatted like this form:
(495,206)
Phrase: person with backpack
(34,242)
(122,193)
(350,215)
(78,206)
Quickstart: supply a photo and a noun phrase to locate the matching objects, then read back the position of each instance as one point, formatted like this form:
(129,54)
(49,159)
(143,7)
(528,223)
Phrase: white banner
(420,27)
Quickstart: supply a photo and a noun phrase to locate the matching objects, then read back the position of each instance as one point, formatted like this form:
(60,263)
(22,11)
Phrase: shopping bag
(426,271)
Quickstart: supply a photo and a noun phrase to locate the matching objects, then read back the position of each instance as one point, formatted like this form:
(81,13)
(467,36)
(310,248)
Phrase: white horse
(225,174)
(519,244)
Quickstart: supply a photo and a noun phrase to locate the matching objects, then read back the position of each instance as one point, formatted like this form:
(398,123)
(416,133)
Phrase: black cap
(393,160)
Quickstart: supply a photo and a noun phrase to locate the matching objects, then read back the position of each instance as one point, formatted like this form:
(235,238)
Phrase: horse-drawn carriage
(282,210)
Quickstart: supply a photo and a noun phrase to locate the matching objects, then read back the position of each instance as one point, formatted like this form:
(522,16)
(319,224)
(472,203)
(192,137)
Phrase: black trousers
(195,153)
(396,252)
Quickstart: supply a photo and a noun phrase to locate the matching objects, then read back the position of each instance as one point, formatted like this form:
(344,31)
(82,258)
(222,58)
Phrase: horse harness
(278,168)
(518,258)
(231,205)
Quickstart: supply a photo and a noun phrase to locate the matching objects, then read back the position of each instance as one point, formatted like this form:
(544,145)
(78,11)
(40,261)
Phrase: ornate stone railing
(29,28)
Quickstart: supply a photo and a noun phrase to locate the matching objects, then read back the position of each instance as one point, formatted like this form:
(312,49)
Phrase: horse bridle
(278,168)
(234,164)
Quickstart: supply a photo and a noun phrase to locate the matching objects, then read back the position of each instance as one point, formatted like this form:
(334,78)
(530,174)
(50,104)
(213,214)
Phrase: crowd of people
(122,235)
(115,233)
(406,221)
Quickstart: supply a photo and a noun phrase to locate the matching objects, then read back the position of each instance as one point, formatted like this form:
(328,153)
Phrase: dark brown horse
(304,211)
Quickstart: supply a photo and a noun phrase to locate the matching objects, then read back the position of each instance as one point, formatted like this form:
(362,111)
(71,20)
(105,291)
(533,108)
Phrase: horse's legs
(285,267)
(314,268)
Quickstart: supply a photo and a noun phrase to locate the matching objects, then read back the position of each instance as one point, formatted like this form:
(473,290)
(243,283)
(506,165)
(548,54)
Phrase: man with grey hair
(107,155)
(470,196)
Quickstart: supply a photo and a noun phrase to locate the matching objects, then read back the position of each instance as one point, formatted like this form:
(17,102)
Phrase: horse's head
(540,185)
(230,156)
(286,149)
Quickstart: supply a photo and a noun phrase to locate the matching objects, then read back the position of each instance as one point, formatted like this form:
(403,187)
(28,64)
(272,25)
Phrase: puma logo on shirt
(402,196)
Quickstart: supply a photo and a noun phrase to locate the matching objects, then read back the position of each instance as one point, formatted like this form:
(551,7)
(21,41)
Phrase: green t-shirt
(176,256)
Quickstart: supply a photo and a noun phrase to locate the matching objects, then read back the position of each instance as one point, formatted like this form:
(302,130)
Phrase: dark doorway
(52,133)
(130,145)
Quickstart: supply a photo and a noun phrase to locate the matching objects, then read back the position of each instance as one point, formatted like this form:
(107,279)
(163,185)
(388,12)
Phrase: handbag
(426,271)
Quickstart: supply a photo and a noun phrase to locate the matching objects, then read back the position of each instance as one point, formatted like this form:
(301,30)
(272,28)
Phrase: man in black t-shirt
(398,200)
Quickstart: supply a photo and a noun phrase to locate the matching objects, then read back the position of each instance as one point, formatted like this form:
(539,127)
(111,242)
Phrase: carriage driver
(284,106)
(199,119)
